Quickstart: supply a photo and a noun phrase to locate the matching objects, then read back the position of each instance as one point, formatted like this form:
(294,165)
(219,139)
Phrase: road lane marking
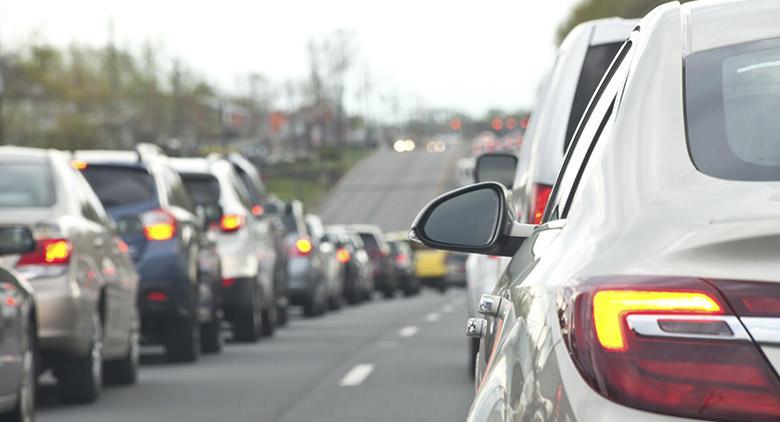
(432,317)
(356,375)
(408,331)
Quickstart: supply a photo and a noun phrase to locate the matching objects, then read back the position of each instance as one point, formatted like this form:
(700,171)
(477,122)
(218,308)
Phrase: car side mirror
(475,219)
(210,214)
(496,167)
(16,240)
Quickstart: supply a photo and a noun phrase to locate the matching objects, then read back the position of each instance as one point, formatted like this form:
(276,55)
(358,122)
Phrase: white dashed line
(432,317)
(408,331)
(356,375)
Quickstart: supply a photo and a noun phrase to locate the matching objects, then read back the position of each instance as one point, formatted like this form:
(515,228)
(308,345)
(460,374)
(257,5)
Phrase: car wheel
(282,315)
(80,379)
(269,316)
(335,303)
(125,370)
(211,335)
(182,342)
(388,294)
(24,411)
(247,323)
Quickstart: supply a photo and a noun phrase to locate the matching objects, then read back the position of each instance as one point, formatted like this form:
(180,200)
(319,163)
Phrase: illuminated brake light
(79,164)
(302,247)
(343,255)
(231,222)
(258,210)
(48,252)
(541,193)
(401,259)
(228,282)
(158,225)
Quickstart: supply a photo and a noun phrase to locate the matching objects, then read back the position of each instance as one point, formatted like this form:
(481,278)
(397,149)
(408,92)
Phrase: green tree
(588,10)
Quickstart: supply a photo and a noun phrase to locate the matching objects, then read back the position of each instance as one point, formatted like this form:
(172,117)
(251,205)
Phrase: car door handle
(489,305)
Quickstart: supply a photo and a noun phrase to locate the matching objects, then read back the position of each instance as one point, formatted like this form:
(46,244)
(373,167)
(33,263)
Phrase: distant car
(430,267)
(262,201)
(358,271)
(157,219)
(403,265)
(332,269)
(581,61)
(456,269)
(85,283)
(306,283)
(379,252)
(18,343)
(244,242)
(482,273)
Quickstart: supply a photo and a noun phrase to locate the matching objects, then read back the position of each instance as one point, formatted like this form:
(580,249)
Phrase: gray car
(85,283)
(649,292)
(307,284)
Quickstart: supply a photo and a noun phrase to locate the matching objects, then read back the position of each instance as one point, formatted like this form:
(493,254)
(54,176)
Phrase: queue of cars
(647,289)
(104,251)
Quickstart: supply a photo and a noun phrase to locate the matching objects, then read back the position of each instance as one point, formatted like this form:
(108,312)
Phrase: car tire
(182,341)
(211,336)
(80,379)
(24,411)
(125,370)
(247,325)
(269,316)
(282,315)
(334,303)
(388,294)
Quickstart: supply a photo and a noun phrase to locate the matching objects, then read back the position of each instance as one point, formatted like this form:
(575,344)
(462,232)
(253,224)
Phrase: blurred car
(244,242)
(456,269)
(358,279)
(306,283)
(430,267)
(581,61)
(403,265)
(482,274)
(19,334)
(379,252)
(85,283)
(156,218)
(332,268)
(261,200)
(650,290)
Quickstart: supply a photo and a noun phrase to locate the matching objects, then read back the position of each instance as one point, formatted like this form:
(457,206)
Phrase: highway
(389,188)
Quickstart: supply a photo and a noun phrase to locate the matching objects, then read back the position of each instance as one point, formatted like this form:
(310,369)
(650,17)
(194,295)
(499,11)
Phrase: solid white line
(408,331)
(356,375)
(432,317)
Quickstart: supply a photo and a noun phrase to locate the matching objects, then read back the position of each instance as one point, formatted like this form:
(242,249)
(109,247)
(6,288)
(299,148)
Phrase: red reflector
(539,197)
(157,296)
(228,282)
(686,375)
(48,252)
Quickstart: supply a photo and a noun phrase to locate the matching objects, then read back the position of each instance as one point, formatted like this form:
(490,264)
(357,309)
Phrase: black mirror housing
(474,219)
(16,240)
(496,167)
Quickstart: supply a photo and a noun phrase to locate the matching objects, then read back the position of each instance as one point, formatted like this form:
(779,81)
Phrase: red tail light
(158,225)
(157,296)
(302,247)
(668,345)
(343,255)
(539,197)
(228,282)
(401,259)
(231,222)
(48,252)
(258,210)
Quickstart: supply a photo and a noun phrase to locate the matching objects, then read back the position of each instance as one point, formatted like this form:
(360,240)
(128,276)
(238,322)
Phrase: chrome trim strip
(763,330)
(647,325)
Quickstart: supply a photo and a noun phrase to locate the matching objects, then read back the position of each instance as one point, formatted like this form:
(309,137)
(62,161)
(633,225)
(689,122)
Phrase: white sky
(465,55)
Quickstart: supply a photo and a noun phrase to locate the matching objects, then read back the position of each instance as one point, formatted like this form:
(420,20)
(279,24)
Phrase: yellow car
(430,266)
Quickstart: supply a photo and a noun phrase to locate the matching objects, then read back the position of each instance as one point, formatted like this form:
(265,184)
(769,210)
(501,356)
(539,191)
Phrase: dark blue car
(156,217)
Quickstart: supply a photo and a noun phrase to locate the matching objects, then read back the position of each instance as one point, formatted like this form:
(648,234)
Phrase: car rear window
(369,241)
(203,188)
(119,186)
(732,101)
(597,60)
(290,222)
(26,184)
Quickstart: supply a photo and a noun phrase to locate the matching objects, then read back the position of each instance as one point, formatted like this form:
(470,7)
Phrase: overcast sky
(466,55)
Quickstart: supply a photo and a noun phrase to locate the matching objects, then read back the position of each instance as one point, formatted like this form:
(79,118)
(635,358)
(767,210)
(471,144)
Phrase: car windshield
(26,184)
(118,186)
(732,104)
(597,60)
(204,189)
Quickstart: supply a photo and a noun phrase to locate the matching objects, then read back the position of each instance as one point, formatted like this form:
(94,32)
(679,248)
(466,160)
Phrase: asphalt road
(389,188)
(397,360)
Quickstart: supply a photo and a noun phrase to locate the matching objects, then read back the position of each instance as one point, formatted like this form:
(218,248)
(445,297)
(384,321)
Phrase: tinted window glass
(597,60)
(26,184)
(117,186)
(369,241)
(732,108)
(203,189)
(469,219)
(290,222)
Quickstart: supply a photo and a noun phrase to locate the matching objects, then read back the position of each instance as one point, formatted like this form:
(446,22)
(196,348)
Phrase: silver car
(84,281)
(245,245)
(332,269)
(650,290)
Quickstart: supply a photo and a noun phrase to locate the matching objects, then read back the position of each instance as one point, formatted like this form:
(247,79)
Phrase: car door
(517,339)
(11,333)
